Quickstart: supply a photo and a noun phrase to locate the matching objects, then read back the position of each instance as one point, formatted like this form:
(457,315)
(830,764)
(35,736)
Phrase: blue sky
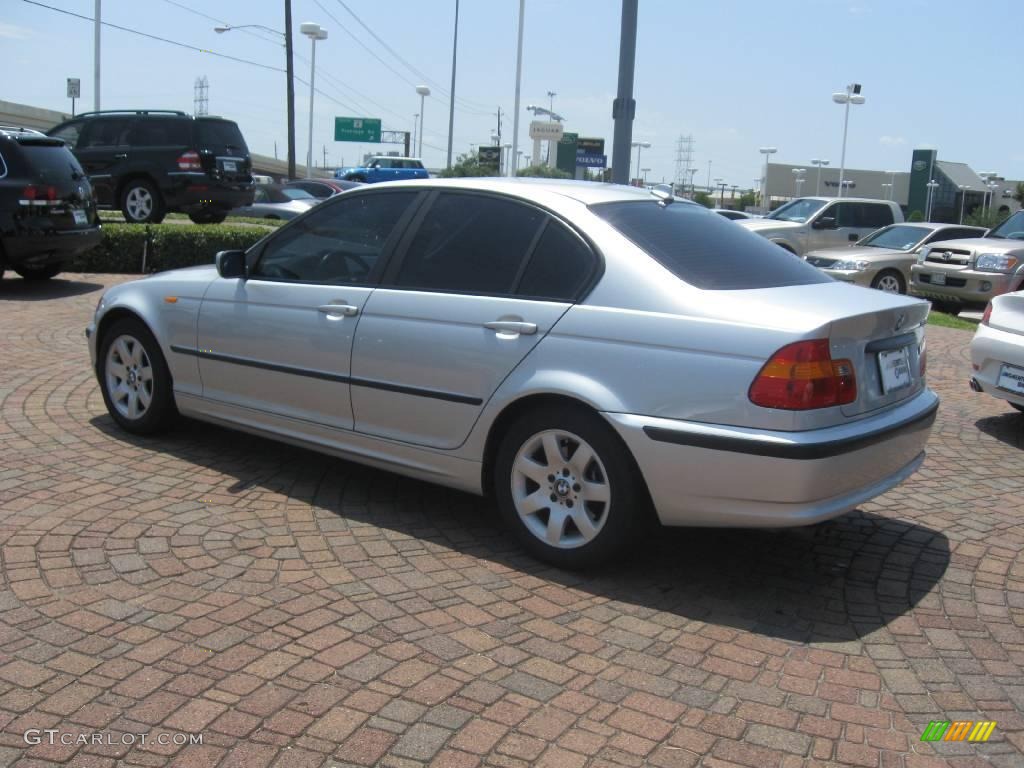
(735,75)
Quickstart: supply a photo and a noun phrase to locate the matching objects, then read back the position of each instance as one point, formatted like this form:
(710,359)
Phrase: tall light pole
(415,129)
(96,25)
(423,91)
(886,191)
(992,187)
(693,189)
(721,195)
(964,189)
(451,104)
(645,171)
(892,184)
(624,106)
(640,145)
(314,32)
(286,39)
(767,152)
(932,186)
(817,184)
(798,179)
(519,78)
(850,96)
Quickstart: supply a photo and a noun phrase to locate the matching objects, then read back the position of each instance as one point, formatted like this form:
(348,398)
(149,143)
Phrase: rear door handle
(342,310)
(512,326)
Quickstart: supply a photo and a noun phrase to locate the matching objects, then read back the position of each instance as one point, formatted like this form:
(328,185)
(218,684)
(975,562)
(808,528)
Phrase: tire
(948,307)
(141,202)
(358,177)
(525,477)
(889,281)
(39,273)
(125,390)
(1018,407)
(208,217)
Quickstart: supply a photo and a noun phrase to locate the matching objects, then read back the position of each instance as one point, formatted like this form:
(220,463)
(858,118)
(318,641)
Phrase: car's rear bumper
(962,285)
(710,475)
(991,348)
(190,192)
(44,248)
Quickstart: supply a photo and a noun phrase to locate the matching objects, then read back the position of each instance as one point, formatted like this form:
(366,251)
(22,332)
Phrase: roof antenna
(664,193)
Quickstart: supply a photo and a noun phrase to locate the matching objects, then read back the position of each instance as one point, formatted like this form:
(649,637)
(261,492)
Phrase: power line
(258,34)
(156,37)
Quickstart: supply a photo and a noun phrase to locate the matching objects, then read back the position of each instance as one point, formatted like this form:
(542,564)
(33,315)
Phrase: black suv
(47,211)
(150,162)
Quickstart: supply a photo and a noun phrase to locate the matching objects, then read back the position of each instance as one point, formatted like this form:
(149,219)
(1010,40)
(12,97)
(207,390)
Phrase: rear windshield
(220,133)
(48,162)
(705,249)
(898,238)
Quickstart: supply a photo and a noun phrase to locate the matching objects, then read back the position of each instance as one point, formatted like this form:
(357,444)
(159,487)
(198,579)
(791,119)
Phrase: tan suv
(809,223)
(973,271)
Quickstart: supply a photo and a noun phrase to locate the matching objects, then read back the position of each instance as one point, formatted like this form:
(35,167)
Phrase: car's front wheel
(568,487)
(141,203)
(890,281)
(39,273)
(134,378)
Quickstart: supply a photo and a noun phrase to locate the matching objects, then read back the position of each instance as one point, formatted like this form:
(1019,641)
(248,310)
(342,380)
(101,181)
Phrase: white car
(997,350)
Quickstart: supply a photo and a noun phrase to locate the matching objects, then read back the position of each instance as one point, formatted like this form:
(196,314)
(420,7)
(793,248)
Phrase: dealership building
(955,184)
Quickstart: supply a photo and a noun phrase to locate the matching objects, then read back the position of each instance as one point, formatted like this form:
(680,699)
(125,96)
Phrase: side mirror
(825,222)
(231,263)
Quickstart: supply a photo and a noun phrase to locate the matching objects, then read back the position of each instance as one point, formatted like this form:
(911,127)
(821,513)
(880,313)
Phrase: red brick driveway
(300,611)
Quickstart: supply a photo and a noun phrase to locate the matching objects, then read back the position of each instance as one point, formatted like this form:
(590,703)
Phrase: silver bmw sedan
(586,354)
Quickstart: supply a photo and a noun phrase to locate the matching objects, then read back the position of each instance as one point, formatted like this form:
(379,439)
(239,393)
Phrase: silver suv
(975,270)
(809,223)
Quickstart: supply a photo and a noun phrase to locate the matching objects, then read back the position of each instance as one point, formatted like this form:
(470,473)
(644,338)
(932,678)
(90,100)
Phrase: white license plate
(938,279)
(895,367)
(230,165)
(80,217)
(1011,378)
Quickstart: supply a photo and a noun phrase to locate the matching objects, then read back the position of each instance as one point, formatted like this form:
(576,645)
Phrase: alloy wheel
(560,489)
(129,377)
(889,284)
(139,203)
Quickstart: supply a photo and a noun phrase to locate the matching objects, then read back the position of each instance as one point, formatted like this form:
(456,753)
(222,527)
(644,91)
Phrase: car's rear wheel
(208,217)
(568,487)
(39,273)
(141,203)
(134,378)
(358,177)
(889,281)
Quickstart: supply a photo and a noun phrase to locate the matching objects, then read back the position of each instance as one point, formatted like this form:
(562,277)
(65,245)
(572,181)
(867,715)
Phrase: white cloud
(892,141)
(14,32)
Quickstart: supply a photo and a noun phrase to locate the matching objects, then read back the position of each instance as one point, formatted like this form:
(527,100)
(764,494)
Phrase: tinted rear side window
(559,266)
(220,133)
(705,249)
(161,132)
(469,243)
(104,132)
(872,215)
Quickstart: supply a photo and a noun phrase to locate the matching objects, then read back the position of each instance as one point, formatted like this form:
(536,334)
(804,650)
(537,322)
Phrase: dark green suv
(149,162)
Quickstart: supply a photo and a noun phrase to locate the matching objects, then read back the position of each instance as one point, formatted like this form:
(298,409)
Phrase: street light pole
(932,186)
(798,179)
(314,32)
(640,145)
(964,189)
(817,184)
(624,106)
(850,96)
(451,105)
(767,152)
(423,91)
(519,77)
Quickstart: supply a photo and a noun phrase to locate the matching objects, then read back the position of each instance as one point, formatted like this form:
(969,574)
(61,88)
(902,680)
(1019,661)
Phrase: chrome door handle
(512,326)
(346,310)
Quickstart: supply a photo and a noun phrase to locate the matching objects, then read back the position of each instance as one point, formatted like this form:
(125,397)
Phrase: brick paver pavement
(298,610)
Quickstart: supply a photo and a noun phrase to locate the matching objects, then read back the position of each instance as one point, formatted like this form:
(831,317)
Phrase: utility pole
(325,157)
(519,77)
(499,126)
(451,105)
(624,106)
(290,76)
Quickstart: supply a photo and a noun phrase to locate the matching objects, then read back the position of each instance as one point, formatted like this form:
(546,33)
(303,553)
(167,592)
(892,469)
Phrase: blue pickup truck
(384,168)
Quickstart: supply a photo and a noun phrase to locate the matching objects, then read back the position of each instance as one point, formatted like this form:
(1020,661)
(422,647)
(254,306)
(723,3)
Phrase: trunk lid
(62,197)
(1008,313)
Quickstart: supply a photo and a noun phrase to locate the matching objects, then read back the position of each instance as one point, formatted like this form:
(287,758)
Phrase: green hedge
(167,246)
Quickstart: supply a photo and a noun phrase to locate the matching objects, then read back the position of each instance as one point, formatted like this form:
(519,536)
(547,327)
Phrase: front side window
(705,250)
(898,238)
(106,132)
(469,244)
(1012,228)
(798,211)
(69,133)
(338,243)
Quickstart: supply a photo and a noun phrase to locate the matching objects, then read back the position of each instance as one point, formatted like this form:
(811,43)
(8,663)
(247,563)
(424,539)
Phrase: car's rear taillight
(33,195)
(189,161)
(988,314)
(803,375)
